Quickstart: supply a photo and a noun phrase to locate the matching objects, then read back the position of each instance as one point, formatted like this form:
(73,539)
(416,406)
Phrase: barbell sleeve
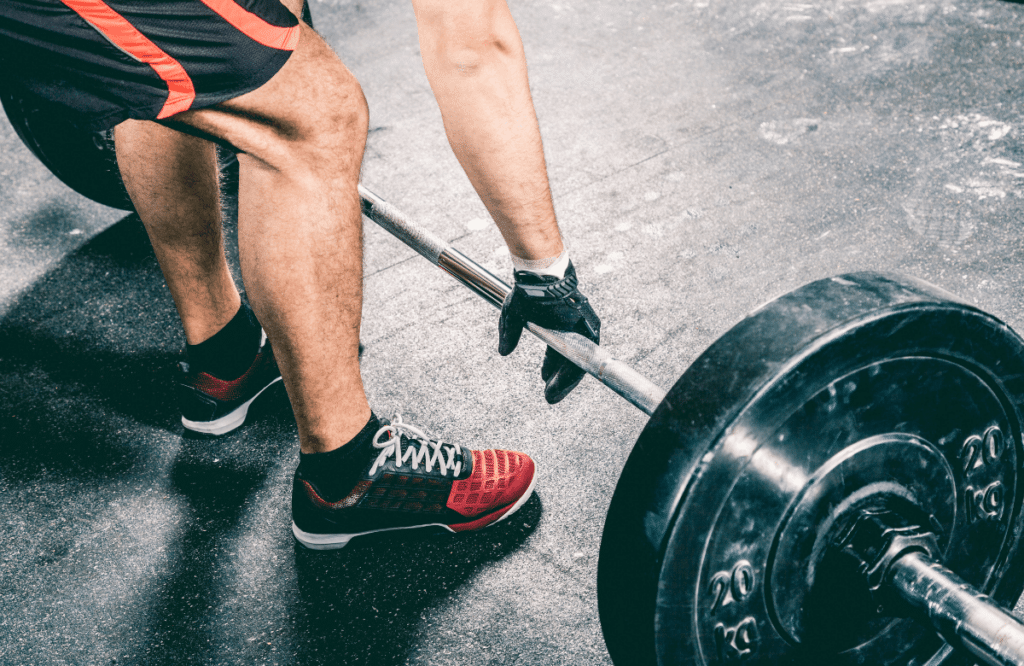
(595,360)
(962,615)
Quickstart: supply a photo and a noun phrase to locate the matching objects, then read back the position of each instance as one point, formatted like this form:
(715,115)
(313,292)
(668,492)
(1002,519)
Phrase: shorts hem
(203,100)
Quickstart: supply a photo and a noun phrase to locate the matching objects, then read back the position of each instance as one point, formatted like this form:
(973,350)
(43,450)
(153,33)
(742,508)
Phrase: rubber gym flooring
(705,157)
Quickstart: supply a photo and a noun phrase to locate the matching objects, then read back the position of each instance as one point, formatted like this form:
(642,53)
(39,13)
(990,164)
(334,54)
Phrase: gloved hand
(554,304)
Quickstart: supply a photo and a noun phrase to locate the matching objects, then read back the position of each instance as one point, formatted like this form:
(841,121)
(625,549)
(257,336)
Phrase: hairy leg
(173,182)
(474,59)
(300,139)
(177,198)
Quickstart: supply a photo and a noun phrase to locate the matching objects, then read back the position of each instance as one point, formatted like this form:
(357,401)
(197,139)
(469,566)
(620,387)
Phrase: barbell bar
(597,361)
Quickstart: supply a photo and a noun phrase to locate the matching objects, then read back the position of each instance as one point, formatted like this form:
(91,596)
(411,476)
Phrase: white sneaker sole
(229,421)
(335,541)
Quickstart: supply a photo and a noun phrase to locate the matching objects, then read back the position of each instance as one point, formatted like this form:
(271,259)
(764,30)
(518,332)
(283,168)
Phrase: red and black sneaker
(216,406)
(415,481)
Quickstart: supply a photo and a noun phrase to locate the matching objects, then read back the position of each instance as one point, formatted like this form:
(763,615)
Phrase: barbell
(834,480)
(806,490)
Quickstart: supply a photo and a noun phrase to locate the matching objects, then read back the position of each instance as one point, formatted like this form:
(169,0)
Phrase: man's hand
(554,304)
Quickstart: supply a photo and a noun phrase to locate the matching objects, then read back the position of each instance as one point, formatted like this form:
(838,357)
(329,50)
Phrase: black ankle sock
(231,350)
(336,472)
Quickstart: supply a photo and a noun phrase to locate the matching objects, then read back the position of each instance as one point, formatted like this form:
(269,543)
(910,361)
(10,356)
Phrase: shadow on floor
(87,410)
(88,351)
(363,604)
(186,619)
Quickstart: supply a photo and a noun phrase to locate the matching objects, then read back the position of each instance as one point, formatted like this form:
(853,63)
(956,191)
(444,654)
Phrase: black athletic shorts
(99,62)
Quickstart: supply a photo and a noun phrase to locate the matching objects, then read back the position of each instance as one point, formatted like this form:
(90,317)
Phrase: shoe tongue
(465,455)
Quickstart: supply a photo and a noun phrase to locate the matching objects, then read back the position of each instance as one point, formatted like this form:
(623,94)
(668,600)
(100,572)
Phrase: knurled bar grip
(607,369)
(963,615)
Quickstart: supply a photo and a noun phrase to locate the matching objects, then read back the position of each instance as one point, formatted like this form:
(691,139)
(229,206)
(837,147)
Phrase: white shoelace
(428,454)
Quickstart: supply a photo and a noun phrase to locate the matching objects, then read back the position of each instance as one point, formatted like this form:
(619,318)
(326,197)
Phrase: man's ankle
(230,352)
(336,472)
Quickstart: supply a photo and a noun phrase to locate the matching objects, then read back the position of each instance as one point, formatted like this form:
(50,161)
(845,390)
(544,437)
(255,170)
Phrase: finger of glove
(560,374)
(510,327)
(552,362)
(562,381)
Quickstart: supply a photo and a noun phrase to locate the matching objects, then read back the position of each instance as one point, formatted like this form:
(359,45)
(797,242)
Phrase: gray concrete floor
(705,157)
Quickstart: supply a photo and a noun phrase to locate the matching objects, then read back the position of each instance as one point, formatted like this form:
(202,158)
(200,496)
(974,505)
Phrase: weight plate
(84,161)
(858,389)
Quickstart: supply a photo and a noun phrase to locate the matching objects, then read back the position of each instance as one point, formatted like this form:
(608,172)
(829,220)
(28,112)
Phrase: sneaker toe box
(499,479)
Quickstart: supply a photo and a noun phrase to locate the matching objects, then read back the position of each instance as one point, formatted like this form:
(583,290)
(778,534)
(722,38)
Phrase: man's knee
(337,119)
(325,108)
(311,115)
(460,35)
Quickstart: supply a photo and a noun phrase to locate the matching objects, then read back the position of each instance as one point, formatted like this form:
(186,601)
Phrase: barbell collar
(961,614)
(595,360)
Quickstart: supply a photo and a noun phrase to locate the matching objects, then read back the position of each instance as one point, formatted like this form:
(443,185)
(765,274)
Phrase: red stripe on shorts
(125,36)
(254,27)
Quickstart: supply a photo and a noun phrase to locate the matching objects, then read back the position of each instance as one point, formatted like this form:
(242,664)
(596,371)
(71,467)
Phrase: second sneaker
(414,481)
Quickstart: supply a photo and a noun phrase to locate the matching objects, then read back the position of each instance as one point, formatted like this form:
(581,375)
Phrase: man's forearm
(474,60)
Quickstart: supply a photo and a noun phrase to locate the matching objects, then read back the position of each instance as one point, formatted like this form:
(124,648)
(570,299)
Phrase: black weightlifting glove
(555,304)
